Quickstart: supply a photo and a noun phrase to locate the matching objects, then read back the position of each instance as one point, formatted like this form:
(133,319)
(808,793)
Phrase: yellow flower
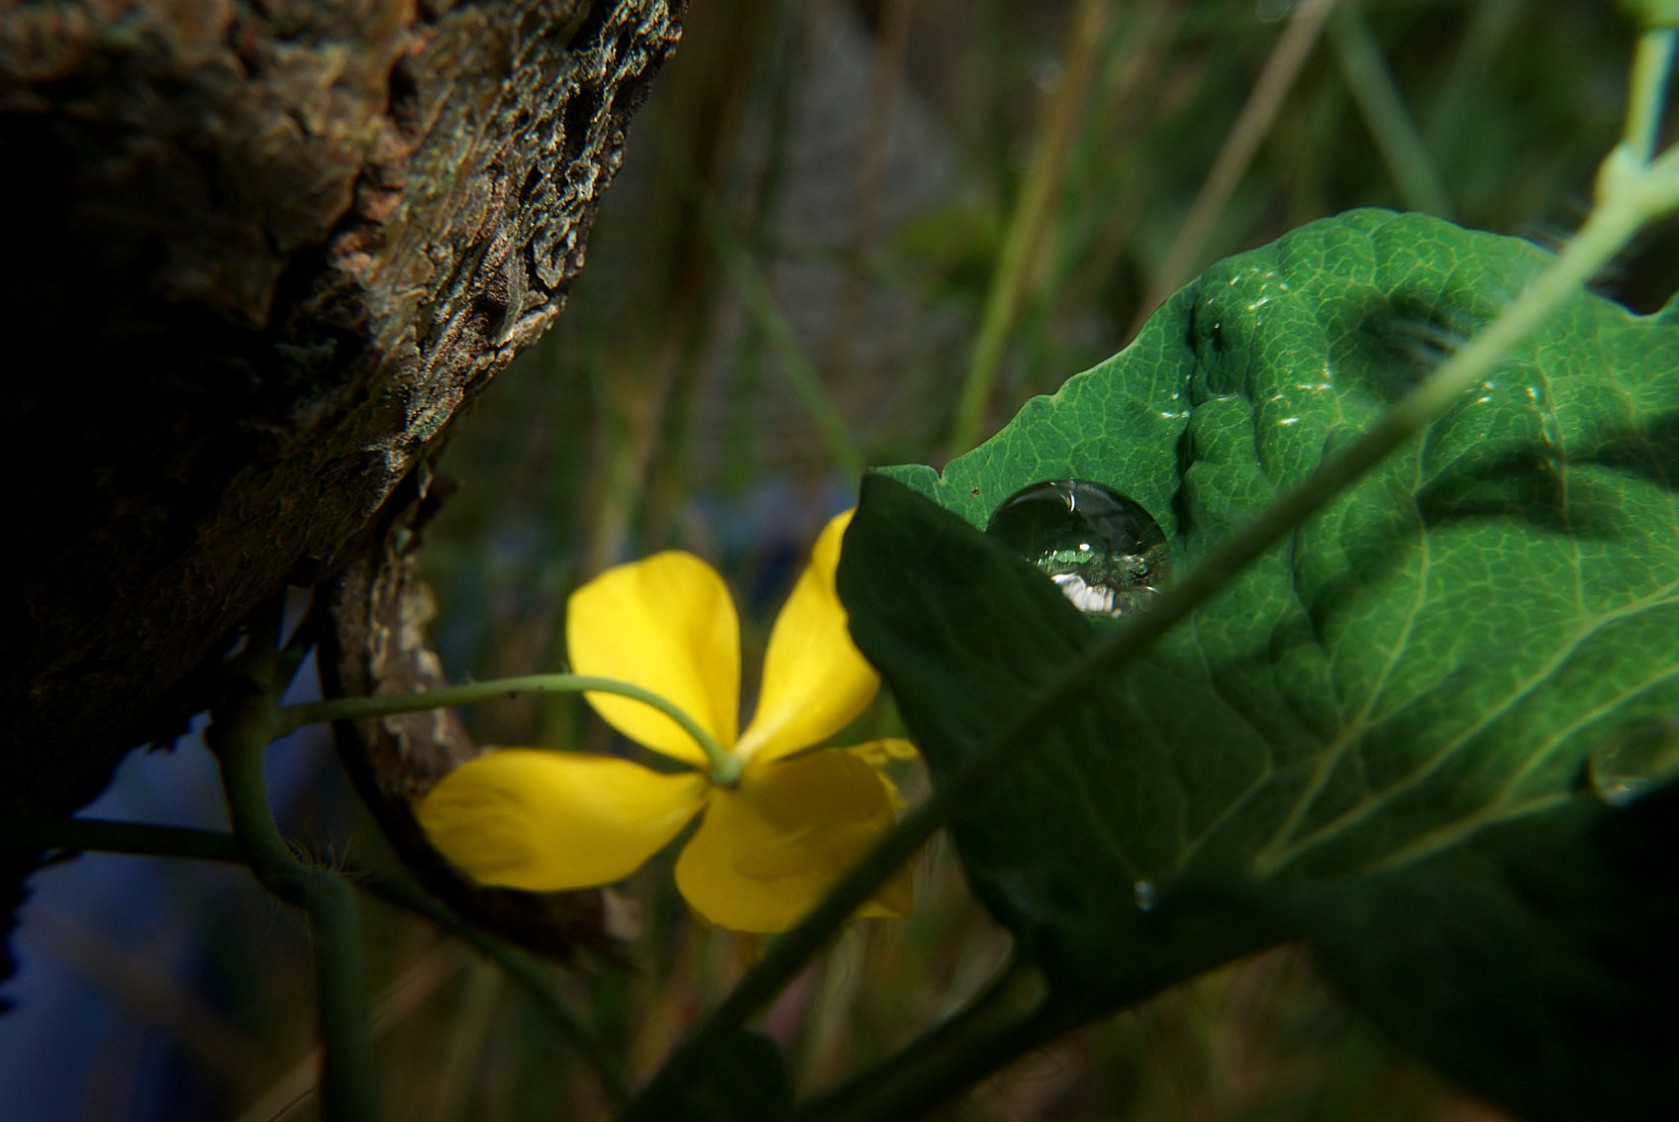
(769,845)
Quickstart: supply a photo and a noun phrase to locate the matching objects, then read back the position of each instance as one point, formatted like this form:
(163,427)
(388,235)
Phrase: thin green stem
(100,835)
(725,765)
(1630,200)
(349,1087)
(1651,65)
(240,730)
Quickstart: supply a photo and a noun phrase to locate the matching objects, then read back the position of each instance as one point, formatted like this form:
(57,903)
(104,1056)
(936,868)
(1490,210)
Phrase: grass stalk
(1029,226)
(1390,123)
(795,365)
(1251,127)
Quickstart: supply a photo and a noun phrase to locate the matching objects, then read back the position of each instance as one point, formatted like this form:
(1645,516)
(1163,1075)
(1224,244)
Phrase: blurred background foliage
(848,232)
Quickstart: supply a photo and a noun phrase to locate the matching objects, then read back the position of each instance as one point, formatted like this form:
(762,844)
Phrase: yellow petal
(546,821)
(667,624)
(815,679)
(767,851)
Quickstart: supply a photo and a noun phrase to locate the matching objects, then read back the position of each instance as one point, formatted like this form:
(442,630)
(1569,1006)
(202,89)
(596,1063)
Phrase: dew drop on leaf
(1147,895)
(1107,554)
(1634,759)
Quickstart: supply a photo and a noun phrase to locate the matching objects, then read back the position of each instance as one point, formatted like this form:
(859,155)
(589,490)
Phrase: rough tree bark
(258,254)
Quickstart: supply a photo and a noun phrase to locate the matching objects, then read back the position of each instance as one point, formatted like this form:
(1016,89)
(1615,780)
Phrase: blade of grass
(1402,148)
(1465,82)
(801,374)
(1030,224)
(1258,114)
(886,78)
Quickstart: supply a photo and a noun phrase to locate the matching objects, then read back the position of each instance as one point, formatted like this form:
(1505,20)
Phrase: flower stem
(1651,64)
(240,730)
(101,835)
(725,765)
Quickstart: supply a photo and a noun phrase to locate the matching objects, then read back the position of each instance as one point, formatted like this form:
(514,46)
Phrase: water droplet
(1147,894)
(1104,550)
(1634,759)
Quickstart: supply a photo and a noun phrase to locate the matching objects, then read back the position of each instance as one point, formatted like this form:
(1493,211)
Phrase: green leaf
(1370,732)
(1545,976)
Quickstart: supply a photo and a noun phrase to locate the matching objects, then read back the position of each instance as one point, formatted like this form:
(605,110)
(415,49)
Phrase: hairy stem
(240,730)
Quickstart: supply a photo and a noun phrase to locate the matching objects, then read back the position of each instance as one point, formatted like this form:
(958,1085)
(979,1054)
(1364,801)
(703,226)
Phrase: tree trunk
(259,253)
